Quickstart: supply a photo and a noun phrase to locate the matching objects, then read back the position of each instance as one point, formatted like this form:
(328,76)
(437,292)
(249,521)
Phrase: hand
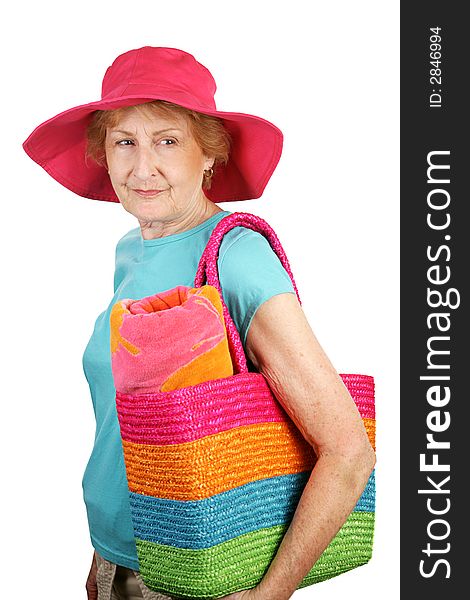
(253,594)
(91,586)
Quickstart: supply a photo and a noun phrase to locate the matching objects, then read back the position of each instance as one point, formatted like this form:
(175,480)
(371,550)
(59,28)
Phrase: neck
(179,223)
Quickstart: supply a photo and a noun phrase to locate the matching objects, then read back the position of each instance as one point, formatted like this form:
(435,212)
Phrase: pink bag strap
(207,271)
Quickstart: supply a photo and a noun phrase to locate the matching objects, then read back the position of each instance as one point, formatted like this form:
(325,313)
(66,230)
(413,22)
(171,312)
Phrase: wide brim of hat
(59,145)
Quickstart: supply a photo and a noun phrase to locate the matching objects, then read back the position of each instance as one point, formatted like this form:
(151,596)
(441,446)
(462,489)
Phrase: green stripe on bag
(238,563)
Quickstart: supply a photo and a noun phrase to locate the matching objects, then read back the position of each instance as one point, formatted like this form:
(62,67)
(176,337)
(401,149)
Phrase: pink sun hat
(59,144)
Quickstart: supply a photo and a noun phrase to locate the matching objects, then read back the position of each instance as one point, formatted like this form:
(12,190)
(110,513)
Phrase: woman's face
(158,155)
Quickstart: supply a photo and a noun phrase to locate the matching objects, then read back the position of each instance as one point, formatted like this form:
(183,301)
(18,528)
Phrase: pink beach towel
(141,331)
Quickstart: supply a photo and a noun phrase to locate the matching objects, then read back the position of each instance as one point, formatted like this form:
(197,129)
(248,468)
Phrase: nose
(145,163)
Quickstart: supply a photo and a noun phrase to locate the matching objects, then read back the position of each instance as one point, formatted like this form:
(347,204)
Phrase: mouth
(147,193)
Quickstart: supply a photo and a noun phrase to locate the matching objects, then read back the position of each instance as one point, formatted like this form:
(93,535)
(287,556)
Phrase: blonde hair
(209,132)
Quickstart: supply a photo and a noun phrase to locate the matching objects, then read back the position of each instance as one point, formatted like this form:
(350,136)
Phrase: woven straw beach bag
(216,470)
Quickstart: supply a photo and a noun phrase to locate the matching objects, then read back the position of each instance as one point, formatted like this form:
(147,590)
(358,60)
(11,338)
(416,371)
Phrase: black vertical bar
(435,253)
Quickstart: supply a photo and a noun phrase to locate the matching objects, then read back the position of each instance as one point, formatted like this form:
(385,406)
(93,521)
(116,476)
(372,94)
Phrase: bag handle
(207,271)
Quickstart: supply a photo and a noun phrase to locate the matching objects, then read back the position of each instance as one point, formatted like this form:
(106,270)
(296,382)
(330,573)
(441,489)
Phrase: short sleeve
(250,273)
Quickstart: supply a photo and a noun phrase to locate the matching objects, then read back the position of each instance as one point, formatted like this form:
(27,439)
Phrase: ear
(209,162)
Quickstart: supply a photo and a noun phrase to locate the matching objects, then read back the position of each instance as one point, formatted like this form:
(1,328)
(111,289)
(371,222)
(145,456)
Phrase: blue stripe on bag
(205,523)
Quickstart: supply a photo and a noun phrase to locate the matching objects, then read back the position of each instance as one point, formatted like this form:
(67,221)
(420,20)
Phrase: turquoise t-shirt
(250,273)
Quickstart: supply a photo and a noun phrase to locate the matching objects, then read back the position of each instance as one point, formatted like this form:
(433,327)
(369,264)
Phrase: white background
(327,74)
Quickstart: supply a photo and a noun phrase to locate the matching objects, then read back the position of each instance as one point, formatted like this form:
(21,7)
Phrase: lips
(148,193)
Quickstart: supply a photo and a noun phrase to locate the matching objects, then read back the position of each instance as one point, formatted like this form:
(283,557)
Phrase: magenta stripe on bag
(211,407)
(194,412)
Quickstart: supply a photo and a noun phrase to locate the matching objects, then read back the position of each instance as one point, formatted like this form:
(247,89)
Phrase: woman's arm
(282,346)
(91,585)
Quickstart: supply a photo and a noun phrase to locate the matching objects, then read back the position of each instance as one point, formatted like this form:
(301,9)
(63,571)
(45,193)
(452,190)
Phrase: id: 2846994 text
(435,71)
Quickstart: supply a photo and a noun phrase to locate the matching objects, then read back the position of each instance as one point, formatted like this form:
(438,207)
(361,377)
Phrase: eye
(168,142)
(123,142)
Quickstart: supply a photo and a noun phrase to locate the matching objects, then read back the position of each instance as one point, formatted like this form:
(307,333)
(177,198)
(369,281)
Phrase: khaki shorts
(120,583)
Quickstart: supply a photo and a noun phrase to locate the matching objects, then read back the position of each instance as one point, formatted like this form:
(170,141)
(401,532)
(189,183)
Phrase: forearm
(330,495)
(312,393)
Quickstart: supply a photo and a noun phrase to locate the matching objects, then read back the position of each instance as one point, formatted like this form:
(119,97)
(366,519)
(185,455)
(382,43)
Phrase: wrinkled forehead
(149,117)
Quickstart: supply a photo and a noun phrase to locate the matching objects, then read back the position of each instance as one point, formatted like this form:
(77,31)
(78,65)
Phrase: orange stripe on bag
(369,424)
(217,463)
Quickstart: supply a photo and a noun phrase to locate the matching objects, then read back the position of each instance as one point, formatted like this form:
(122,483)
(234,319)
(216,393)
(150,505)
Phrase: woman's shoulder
(241,244)
(250,274)
(247,255)
(128,240)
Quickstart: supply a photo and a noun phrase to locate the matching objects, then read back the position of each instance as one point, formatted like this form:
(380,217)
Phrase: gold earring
(208,173)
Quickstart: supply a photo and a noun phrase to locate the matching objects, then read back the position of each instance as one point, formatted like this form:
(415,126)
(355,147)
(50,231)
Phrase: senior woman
(156,144)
